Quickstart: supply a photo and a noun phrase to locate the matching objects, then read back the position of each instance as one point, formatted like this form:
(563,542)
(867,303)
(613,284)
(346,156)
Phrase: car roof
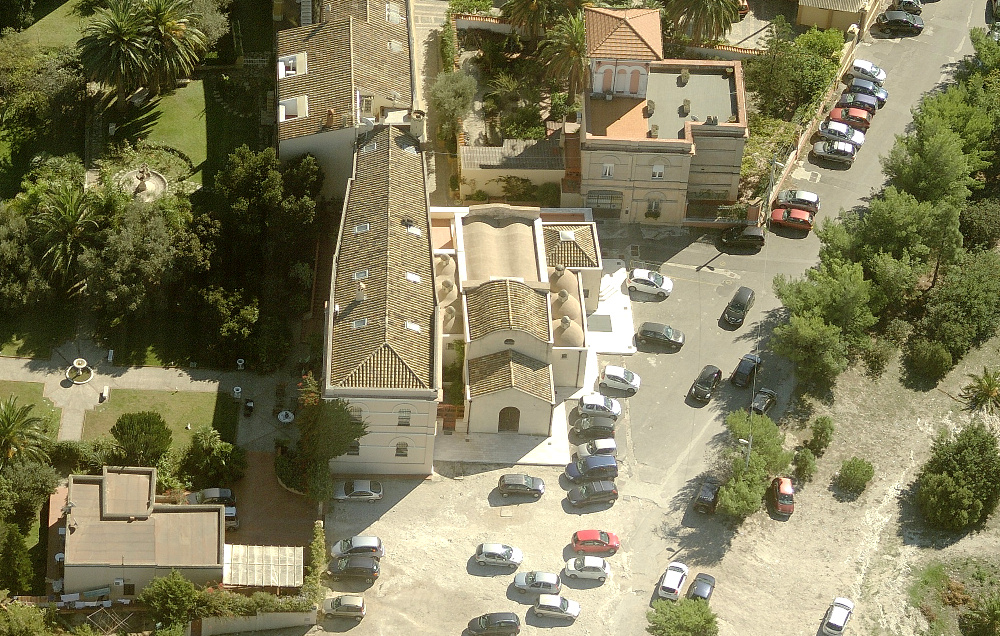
(362,560)
(860,81)
(705,577)
(546,577)
(800,194)
(214,493)
(708,371)
(365,540)
(516,478)
(588,535)
(593,398)
(864,64)
(592,561)
(796,213)
(785,486)
(350,599)
(752,357)
(639,272)
(752,230)
(837,125)
(603,443)
(494,547)
(600,421)
(861,97)
(615,369)
(494,617)
(858,112)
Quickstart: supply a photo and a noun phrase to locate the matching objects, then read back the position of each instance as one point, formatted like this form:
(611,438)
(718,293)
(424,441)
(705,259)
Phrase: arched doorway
(510,417)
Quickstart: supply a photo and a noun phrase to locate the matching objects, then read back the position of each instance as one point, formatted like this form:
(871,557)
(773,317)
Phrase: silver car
(358,545)
(596,447)
(588,567)
(620,379)
(556,606)
(498,554)
(345,606)
(357,490)
(801,199)
(839,151)
(865,70)
(837,131)
(538,582)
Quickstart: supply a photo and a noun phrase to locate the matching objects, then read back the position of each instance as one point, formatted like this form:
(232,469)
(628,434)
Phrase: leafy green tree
(209,461)
(854,475)
(21,619)
(896,223)
(16,14)
(826,43)
(684,617)
(836,291)
(303,177)
(822,434)
(114,49)
(927,359)
(22,435)
(702,19)
(961,310)
(29,485)
(451,98)
(767,439)
(21,282)
(15,563)
(980,224)
(983,392)
(957,108)
(751,463)
(805,465)
(175,44)
(535,16)
(930,163)
(143,438)
(231,316)
(814,346)
(563,52)
(972,460)
(944,235)
(946,504)
(66,225)
(982,618)
(893,283)
(171,599)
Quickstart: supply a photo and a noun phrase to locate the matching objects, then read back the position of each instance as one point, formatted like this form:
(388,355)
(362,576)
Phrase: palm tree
(22,436)
(535,16)
(114,49)
(66,224)
(983,393)
(702,19)
(174,45)
(564,52)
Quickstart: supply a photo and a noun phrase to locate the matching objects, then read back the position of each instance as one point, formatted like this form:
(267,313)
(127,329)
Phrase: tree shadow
(135,122)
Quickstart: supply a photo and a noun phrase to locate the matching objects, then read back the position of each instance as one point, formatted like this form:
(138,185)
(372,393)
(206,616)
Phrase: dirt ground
(779,577)
(269,514)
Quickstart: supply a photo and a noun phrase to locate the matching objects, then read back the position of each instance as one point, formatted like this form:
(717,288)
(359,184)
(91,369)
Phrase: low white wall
(233,624)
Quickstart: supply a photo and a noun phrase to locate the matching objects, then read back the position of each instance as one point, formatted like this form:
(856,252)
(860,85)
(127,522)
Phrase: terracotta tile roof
(848,6)
(572,245)
(507,305)
(355,48)
(509,369)
(394,346)
(623,34)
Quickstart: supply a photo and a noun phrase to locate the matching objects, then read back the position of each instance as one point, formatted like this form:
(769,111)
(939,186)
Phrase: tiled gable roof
(623,34)
(509,369)
(580,251)
(848,6)
(507,305)
(392,258)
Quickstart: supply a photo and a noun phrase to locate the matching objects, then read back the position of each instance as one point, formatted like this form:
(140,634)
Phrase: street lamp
(749,445)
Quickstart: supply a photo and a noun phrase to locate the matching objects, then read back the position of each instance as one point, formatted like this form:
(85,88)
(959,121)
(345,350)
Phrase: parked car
(857,119)
(345,606)
(588,567)
(538,582)
(897,22)
(591,468)
(747,368)
(499,554)
(651,282)
(746,236)
(495,624)
(867,87)
(595,427)
(592,492)
(837,616)
(707,498)
(219,496)
(782,495)
(521,484)
(702,587)
(839,151)
(358,545)
(738,307)
(763,401)
(802,199)
(556,606)
(595,542)
(620,379)
(356,566)
(357,490)
(792,218)
(915,7)
(672,581)
(656,333)
(867,70)
(858,100)
(596,447)
(839,131)
(706,383)
(597,404)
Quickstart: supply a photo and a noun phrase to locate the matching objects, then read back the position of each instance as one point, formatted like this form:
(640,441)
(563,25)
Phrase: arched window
(510,418)
(607,84)
(633,86)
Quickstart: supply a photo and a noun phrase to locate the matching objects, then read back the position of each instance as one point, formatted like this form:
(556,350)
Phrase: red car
(591,541)
(793,218)
(853,117)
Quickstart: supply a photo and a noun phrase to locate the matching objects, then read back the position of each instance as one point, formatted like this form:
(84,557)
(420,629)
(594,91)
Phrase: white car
(620,379)
(499,554)
(596,447)
(556,606)
(371,546)
(651,282)
(837,616)
(538,582)
(597,404)
(838,131)
(357,490)
(865,70)
(588,567)
(672,581)
(346,606)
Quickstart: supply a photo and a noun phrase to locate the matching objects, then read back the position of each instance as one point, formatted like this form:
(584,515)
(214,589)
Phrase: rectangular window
(565,355)
(653,207)
(355,412)
(658,171)
(367,103)
(402,449)
(607,170)
(293,108)
(404,417)
(412,326)
(413,278)
(359,323)
(128,589)
(361,228)
(363,274)
(354,448)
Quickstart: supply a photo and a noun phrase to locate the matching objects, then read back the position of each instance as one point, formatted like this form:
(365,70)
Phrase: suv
(743,236)
(346,606)
(592,492)
(592,467)
(354,567)
(739,306)
(495,624)
(654,332)
(708,497)
(782,494)
(519,484)
(595,427)
(619,378)
(896,22)
(747,368)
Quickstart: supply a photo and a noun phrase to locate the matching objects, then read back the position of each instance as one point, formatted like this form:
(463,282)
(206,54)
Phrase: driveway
(269,514)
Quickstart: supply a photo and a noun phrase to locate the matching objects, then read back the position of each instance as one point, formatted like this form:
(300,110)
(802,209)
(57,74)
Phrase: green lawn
(33,334)
(31,393)
(59,28)
(180,124)
(178,408)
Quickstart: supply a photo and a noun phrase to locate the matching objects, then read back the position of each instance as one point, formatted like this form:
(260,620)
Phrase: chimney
(331,119)
(418,124)
(360,297)
(565,322)
(563,295)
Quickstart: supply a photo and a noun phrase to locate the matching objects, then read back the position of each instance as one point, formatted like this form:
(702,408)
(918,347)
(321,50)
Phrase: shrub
(480,195)
(559,106)
(877,356)
(549,195)
(960,483)
(854,475)
(312,587)
(983,616)
(449,50)
(822,435)
(897,331)
(927,359)
(469,6)
(805,465)
(684,617)
(523,123)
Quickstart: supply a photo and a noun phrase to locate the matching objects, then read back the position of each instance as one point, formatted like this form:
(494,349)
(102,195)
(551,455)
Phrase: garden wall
(212,625)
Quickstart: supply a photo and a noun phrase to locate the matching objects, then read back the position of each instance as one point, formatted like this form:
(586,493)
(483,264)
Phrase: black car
(763,401)
(502,623)
(595,427)
(706,383)
(858,100)
(751,236)
(896,22)
(740,304)
(748,367)
(654,332)
(592,492)
(708,497)
(702,587)
(354,567)
(910,6)
(519,484)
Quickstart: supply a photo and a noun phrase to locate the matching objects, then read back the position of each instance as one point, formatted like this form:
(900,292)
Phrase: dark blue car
(592,467)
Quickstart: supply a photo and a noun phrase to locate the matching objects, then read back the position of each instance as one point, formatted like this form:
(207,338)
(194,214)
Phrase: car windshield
(655,278)
(604,537)
(875,70)
(483,621)
(578,563)
(507,553)
(348,487)
(529,577)
(563,604)
(785,499)
(337,602)
(834,626)
(628,375)
(668,332)
(581,466)
(345,544)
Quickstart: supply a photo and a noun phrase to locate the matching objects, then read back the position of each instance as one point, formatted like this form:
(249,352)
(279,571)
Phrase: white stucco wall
(377,454)
(484,412)
(334,151)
